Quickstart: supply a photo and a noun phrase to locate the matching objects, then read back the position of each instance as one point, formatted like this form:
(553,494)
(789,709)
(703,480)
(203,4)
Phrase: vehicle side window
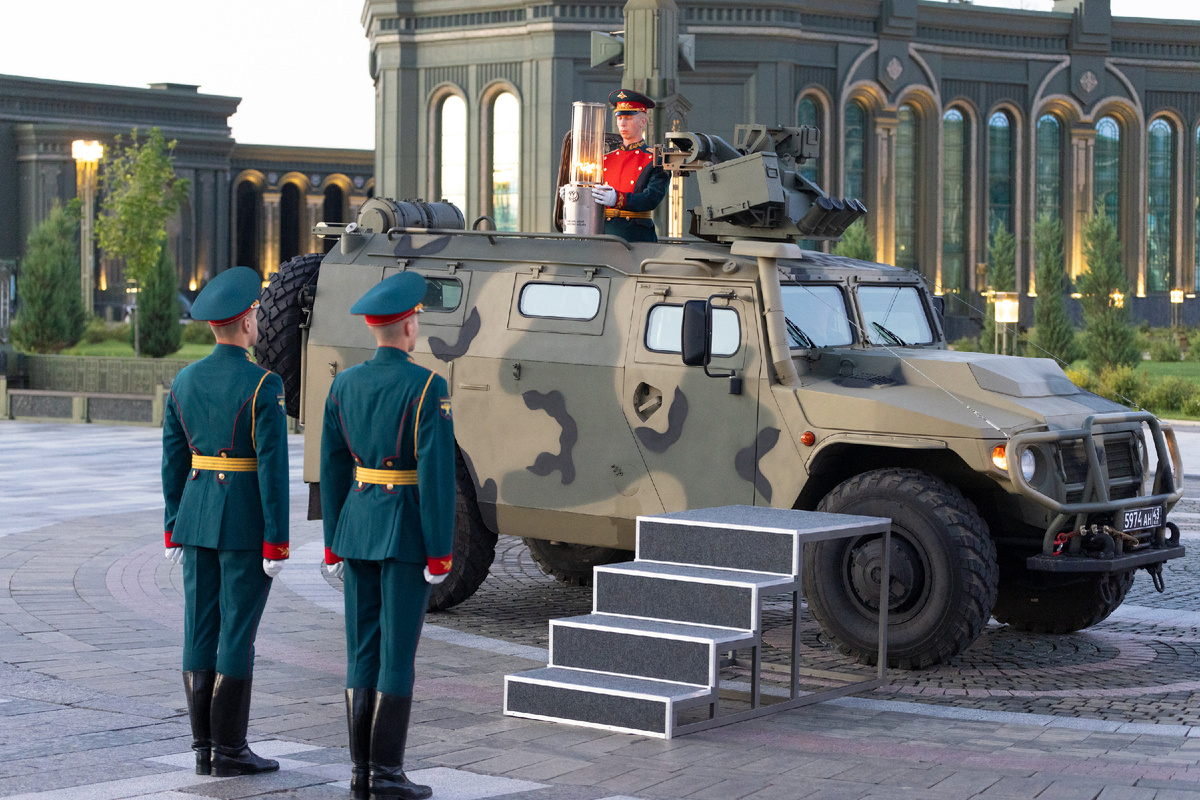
(559,300)
(820,312)
(895,310)
(442,294)
(665,323)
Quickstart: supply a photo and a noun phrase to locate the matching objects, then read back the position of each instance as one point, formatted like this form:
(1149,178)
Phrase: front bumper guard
(1097,496)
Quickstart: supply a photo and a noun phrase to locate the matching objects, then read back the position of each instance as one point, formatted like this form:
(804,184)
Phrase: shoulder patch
(282,403)
(444,408)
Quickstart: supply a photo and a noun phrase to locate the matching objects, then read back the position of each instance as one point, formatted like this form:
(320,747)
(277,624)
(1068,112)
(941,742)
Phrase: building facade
(247,204)
(949,121)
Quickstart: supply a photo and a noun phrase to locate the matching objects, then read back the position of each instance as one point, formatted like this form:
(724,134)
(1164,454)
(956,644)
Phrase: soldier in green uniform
(225,483)
(388,501)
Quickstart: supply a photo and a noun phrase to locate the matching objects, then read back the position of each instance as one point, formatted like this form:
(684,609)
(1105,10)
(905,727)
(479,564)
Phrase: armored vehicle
(594,380)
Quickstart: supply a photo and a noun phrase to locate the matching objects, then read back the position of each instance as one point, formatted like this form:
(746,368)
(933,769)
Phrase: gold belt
(613,212)
(224,464)
(386,477)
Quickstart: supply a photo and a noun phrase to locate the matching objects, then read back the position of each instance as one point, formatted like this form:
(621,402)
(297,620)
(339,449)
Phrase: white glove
(605,195)
(334,570)
(272,568)
(174,554)
(562,192)
(430,578)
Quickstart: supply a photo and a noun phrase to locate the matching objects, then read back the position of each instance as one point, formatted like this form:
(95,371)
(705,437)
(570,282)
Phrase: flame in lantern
(587,169)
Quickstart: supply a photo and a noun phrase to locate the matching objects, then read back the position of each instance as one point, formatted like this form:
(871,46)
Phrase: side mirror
(939,305)
(696,333)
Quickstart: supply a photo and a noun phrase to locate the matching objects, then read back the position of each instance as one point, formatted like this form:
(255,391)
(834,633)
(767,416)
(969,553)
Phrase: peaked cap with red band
(392,299)
(228,297)
(627,101)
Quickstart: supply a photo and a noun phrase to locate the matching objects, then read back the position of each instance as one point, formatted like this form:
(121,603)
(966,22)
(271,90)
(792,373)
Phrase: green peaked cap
(227,295)
(393,295)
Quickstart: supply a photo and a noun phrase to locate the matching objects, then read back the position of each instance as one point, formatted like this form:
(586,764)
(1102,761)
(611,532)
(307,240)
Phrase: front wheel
(943,570)
(474,547)
(572,563)
(1048,602)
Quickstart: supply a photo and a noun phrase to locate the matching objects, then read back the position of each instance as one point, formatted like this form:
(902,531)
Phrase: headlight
(1028,461)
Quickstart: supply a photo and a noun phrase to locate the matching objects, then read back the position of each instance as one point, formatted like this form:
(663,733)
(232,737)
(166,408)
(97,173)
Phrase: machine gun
(753,189)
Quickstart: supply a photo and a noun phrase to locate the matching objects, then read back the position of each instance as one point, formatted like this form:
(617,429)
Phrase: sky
(300,66)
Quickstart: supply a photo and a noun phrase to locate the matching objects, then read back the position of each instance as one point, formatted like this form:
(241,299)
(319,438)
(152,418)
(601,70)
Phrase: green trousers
(224,594)
(385,608)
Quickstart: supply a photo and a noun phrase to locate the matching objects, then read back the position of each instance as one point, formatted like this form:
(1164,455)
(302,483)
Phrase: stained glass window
(1160,182)
(1000,173)
(506,162)
(954,201)
(1106,170)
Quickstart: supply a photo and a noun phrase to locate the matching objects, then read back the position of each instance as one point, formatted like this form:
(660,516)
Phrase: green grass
(190,352)
(1189,370)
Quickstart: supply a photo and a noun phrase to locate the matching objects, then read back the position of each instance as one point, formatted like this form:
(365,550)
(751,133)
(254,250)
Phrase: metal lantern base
(582,215)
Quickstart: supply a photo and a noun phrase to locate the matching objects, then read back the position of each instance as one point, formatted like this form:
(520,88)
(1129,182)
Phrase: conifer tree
(51,316)
(160,333)
(1108,338)
(1002,277)
(856,243)
(1055,334)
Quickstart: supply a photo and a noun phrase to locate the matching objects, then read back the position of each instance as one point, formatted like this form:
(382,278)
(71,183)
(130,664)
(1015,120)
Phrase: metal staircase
(647,659)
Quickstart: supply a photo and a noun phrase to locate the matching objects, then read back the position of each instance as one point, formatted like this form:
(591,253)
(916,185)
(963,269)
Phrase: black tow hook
(1156,575)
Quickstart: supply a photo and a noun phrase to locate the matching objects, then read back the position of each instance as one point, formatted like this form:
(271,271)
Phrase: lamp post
(1007,310)
(1176,307)
(87,156)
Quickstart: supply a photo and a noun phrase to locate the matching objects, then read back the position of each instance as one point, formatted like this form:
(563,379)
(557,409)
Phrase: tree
(51,316)
(856,243)
(1002,277)
(160,333)
(141,192)
(1055,333)
(1108,338)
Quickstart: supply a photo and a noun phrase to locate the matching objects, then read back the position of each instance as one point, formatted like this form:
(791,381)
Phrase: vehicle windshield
(816,316)
(894,315)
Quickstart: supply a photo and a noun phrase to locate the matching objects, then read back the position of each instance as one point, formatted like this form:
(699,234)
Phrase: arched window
(906,188)
(1106,171)
(1000,173)
(249,206)
(452,143)
(855,139)
(954,202)
(1048,166)
(506,162)
(807,113)
(334,209)
(1161,184)
(291,203)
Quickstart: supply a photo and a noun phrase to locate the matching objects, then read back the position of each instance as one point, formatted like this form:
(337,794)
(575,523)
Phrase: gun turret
(753,189)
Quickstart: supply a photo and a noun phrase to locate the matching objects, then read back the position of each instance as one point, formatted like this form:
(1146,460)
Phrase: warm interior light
(1007,307)
(192,285)
(1177,295)
(1076,295)
(86,151)
(1118,300)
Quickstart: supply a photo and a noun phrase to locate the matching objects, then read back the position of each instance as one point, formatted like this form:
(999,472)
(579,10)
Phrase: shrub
(1169,393)
(856,243)
(197,332)
(1123,385)
(51,316)
(95,332)
(1081,377)
(158,327)
(1165,349)
(1108,338)
(1054,332)
(1191,406)
(967,344)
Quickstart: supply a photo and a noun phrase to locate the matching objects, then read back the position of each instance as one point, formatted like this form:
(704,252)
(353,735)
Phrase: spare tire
(283,306)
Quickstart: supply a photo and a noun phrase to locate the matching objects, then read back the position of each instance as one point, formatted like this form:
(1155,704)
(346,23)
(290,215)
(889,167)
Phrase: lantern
(581,213)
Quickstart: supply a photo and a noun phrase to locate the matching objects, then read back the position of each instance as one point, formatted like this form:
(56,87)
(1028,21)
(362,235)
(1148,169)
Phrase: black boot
(359,705)
(230,717)
(198,688)
(389,731)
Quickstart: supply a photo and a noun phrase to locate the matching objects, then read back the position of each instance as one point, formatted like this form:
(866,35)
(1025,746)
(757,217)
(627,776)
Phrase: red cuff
(275,552)
(167,536)
(332,558)
(438,566)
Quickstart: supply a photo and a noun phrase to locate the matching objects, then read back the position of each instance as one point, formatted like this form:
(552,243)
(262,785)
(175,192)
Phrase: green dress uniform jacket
(388,414)
(225,483)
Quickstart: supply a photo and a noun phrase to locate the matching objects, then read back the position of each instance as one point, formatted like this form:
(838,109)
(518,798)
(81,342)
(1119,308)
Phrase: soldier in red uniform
(633,186)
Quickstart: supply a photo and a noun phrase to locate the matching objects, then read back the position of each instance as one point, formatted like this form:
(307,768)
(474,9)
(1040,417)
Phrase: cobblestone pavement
(91,707)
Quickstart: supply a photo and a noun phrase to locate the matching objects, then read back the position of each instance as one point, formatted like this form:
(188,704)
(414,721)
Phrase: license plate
(1136,519)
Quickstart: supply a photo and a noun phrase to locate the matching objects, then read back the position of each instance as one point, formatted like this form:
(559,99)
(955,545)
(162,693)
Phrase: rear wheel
(572,563)
(943,570)
(281,311)
(474,547)
(1048,602)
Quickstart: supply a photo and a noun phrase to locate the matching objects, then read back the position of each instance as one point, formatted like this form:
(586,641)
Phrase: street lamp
(1007,311)
(1176,307)
(87,155)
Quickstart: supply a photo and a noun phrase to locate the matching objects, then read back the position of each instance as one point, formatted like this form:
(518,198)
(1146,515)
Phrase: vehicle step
(741,537)
(613,702)
(681,593)
(647,648)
